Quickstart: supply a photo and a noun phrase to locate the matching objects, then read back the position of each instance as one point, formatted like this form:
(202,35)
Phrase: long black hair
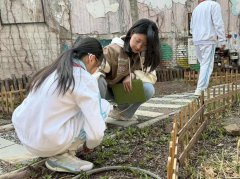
(64,65)
(150,29)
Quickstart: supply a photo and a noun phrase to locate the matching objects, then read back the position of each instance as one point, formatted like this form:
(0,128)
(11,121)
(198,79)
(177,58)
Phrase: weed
(19,165)
(118,134)
(165,138)
(190,170)
(99,161)
(109,142)
(105,177)
(33,175)
(47,176)
(130,132)
(140,174)
(123,150)
(149,144)
(83,175)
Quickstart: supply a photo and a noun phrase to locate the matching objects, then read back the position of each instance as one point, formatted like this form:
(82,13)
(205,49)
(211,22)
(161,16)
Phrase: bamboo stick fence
(217,77)
(169,74)
(12,90)
(12,93)
(189,123)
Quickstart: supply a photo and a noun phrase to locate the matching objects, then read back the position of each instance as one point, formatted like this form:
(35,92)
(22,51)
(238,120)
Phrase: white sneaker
(67,163)
(198,93)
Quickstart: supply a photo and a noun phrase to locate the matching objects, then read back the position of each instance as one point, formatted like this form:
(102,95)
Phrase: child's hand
(86,150)
(127,83)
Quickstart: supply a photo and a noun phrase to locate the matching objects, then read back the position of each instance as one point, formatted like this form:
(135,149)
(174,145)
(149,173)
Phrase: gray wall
(34,32)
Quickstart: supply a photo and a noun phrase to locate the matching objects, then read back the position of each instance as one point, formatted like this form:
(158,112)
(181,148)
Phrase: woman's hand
(127,83)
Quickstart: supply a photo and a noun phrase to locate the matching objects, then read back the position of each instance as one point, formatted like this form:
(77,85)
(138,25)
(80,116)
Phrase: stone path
(157,107)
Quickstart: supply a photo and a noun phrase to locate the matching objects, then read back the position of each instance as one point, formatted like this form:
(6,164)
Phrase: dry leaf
(209,172)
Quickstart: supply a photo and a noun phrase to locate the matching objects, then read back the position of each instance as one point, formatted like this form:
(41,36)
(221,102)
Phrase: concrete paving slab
(177,95)
(188,96)
(183,100)
(163,105)
(171,100)
(5,143)
(148,113)
(15,154)
(120,123)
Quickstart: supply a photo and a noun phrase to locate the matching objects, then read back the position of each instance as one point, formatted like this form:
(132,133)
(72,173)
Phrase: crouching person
(63,111)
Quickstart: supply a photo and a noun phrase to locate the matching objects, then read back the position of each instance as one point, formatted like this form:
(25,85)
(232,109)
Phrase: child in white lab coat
(63,110)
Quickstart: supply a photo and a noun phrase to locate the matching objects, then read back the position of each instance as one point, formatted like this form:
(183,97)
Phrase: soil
(145,148)
(216,155)
(172,87)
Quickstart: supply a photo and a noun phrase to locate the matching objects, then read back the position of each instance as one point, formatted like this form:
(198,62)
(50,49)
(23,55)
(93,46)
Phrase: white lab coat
(48,123)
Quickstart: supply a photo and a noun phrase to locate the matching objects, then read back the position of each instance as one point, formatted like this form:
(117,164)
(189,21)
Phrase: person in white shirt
(63,111)
(207,29)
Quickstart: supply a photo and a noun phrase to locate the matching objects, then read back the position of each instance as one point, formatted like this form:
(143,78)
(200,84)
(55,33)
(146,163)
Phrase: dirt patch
(145,148)
(215,154)
(172,87)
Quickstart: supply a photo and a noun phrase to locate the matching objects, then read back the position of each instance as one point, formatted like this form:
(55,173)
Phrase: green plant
(105,177)
(19,165)
(47,176)
(83,175)
(130,132)
(140,174)
(109,142)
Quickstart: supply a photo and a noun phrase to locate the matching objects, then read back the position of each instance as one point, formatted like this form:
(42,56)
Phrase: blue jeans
(127,110)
